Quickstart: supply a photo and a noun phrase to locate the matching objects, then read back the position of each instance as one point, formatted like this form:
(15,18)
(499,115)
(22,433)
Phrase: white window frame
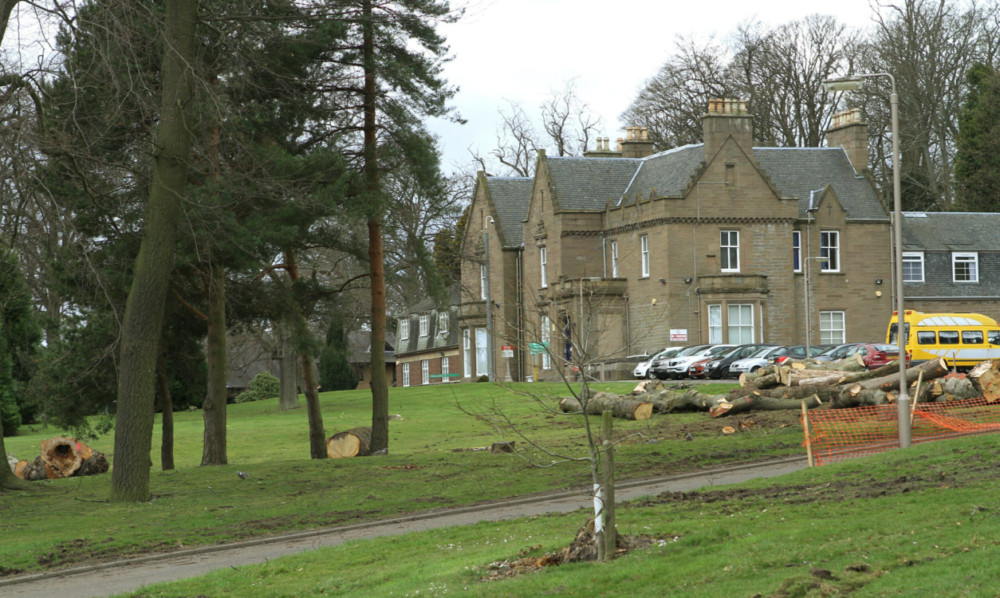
(543,263)
(546,338)
(832,327)
(425,372)
(482,282)
(467,352)
(445,369)
(442,322)
(482,364)
(915,261)
(404,329)
(829,248)
(406,374)
(614,259)
(425,325)
(729,250)
(715,323)
(644,250)
(969,260)
(796,251)
(740,323)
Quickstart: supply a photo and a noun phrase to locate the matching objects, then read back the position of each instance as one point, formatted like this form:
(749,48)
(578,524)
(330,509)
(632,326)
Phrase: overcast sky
(523,50)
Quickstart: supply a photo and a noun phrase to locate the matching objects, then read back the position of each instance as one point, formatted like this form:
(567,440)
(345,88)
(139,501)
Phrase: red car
(875,355)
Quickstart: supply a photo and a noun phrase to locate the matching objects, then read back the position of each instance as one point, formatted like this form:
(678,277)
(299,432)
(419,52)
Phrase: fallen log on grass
(667,401)
(762,403)
(618,406)
(62,457)
(985,377)
(934,368)
(356,442)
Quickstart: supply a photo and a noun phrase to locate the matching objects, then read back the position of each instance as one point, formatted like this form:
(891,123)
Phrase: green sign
(538,348)
(444,375)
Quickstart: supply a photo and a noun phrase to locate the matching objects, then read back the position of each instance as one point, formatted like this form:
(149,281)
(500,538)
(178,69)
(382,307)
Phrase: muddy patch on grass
(582,549)
(82,550)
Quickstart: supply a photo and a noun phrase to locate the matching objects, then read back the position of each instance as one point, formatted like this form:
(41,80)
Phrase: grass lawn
(919,522)
(429,466)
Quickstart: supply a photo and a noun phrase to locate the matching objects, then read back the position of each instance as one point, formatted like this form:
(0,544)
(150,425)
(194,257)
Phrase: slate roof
(586,184)
(669,173)
(951,231)
(511,196)
(358,343)
(797,172)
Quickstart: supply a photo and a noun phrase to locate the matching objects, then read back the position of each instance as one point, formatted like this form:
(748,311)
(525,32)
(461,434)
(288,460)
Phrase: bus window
(993,336)
(892,333)
(948,337)
(926,337)
(972,337)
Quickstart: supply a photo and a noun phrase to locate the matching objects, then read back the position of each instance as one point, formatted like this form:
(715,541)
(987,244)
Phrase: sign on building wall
(508,350)
(678,335)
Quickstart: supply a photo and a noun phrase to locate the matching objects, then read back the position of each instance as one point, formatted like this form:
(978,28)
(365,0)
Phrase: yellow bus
(961,339)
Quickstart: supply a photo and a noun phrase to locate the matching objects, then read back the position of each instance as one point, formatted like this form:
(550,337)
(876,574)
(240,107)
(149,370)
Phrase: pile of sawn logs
(838,384)
(62,457)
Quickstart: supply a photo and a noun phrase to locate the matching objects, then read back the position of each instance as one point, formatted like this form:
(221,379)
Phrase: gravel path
(128,575)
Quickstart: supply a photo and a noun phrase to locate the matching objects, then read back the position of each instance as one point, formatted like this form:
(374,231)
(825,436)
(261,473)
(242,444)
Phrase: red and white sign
(678,335)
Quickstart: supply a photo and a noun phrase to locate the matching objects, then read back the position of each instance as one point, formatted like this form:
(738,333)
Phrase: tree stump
(986,378)
(356,442)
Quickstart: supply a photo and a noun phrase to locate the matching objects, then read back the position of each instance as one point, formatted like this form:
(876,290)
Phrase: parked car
(642,369)
(677,366)
(875,355)
(798,352)
(835,352)
(762,358)
(718,367)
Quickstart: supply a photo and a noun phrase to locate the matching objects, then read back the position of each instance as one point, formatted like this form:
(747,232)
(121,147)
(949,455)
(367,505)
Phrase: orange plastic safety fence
(838,434)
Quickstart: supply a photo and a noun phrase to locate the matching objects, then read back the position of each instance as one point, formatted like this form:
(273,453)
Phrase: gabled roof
(511,196)
(667,173)
(951,231)
(586,184)
(798,171)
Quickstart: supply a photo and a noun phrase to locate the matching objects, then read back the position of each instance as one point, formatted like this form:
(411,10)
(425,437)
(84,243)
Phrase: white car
(753,363)
(642,369)
(677,366)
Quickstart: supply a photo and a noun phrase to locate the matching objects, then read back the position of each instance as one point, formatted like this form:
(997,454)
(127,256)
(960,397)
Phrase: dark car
(836,352)
(718,367)
(797,352)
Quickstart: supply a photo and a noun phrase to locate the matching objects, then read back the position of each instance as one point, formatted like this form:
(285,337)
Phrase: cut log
(935,368)
(502,447)
(62,455)
(856,395)
(625,408)
(755,402)
(667,401)
(986,378)
(356,442)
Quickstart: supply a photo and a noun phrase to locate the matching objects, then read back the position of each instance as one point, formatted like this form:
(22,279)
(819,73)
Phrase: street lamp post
(903,402)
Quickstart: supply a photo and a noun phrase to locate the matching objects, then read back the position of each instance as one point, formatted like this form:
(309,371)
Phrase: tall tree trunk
(379,385)
(317,435)
(143,319)
(214,408)
(166,415)
(288,393)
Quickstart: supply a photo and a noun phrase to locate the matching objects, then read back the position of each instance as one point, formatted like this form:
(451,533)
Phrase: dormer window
(425,324)
(404,330)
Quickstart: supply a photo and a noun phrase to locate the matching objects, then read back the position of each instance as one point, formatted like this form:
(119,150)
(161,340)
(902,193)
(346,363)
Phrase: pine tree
(977,160)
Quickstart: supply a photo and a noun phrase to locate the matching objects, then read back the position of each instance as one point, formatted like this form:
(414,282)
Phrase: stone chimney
(848,131)
(601,149)
(636,143)
(725,119)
